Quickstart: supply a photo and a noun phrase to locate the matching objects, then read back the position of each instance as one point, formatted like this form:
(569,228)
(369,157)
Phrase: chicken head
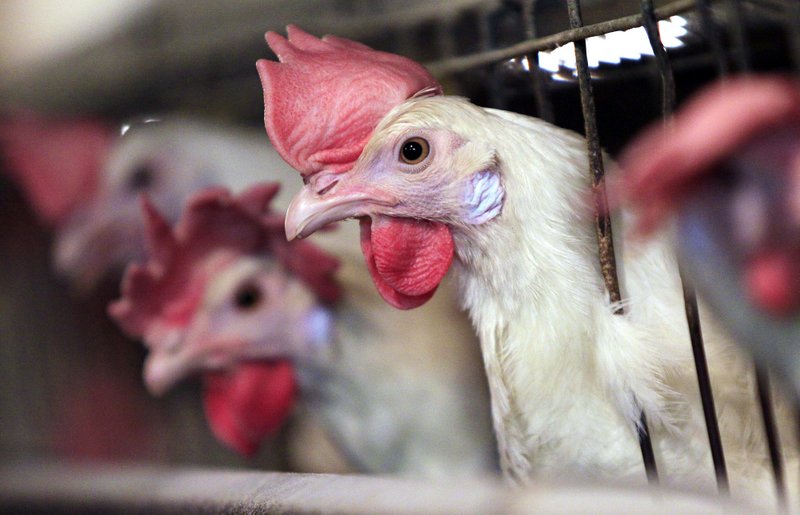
(739,139)
(409,178)
(223,293)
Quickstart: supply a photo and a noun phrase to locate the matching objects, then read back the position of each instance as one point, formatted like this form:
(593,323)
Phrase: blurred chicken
(434,180)
(396,392)
(85,180)
(729,164)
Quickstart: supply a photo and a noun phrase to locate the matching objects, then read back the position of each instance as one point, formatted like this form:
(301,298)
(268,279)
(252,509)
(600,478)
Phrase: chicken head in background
(224,294)
(101,229)
(204,303)
(435,181)
(728,165)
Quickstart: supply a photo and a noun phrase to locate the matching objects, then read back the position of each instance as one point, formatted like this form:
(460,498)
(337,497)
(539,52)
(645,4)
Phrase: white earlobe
(483,198)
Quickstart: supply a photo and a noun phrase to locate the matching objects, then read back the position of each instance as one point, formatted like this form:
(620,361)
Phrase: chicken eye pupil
(248,297)
(414,151)
(141,178)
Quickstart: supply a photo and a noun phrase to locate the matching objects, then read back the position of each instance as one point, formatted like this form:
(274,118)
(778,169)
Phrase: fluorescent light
(611,48)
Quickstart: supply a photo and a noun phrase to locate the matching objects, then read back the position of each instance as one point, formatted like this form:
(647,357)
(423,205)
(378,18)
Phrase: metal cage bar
(713,36)
(602,220)
(544,108)
(792,17)
(467,62)
(742,60)
(770,429)
(690,301)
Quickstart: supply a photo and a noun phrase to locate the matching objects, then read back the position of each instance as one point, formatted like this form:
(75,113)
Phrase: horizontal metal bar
(61,488)
(463,63)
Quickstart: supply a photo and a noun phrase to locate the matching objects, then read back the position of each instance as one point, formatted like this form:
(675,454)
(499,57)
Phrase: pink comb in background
(212,220)
(56,163)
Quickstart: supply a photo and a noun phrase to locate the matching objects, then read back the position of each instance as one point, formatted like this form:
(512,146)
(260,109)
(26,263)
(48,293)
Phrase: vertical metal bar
(792,17)
(690,301)
(663,63)
(770,428)
(445,39)
(741,56)
(602,220)
(741,53)
(704,382)
(713,36)
(544,108)
(485,38)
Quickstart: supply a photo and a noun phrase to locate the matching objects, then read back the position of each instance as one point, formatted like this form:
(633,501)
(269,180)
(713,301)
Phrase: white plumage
(567,376)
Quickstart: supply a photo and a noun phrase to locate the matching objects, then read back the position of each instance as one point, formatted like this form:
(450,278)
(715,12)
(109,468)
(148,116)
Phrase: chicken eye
(414,151)
(141,178)
(248,297)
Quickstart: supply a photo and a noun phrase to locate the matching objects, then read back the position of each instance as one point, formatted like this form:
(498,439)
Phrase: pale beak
(180,355)
(309,211)
(163,371)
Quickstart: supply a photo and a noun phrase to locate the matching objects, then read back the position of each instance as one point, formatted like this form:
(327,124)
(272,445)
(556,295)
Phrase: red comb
(56,163)
(212,220)
(325,97)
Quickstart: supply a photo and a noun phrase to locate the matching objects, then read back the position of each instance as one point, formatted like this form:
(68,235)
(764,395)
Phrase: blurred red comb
(213,219)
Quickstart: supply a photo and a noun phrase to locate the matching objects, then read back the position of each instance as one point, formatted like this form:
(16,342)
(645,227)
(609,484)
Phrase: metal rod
(741,56)
(662,59)
(713,36)
(602,220)
(544,108)
(704,383)
(792,18)
(741,53)
(459,64)
(770,429)
(692,312)
(485,38)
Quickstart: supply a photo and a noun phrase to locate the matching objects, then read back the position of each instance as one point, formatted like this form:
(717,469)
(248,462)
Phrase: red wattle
(773,281)
(407,258)
(250,403)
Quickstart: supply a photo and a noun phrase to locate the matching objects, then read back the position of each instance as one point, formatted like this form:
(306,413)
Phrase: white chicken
(435,179)
(225,292)
(86,181)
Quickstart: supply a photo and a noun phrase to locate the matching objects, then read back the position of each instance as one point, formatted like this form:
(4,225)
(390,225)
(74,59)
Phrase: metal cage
(724,28)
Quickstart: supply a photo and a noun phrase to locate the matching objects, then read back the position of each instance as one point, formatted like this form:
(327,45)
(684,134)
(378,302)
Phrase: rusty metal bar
(602,220)
(463,63)
(690,301)
(544,108)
